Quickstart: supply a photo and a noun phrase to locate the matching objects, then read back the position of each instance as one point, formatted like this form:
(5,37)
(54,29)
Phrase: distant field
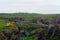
(27,15)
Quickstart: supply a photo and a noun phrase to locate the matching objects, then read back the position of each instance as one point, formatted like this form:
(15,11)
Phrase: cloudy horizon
(30,6)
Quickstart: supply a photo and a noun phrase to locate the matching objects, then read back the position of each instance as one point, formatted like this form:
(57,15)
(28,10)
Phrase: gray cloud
(38,6)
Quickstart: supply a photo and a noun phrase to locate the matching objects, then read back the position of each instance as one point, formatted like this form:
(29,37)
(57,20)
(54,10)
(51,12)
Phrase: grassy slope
(26,16)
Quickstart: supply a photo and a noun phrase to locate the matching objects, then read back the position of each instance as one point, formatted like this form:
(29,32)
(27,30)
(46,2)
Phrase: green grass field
(27,15)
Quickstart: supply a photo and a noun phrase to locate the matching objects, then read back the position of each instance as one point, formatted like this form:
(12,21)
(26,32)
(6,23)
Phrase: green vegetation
(25,26)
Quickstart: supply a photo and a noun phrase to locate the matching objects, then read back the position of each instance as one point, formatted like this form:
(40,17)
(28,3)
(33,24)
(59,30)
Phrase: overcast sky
(31,6)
